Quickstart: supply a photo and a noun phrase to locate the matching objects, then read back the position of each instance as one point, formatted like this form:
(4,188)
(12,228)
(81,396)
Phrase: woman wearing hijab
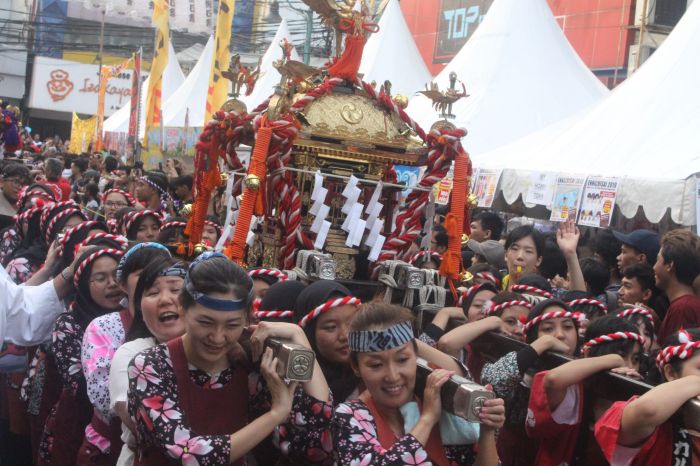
(97,293)
(278,303)
(210,421)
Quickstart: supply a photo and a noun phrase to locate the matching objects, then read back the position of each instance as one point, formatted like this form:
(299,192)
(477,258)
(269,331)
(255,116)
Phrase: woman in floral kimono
(192,404)
(388,425)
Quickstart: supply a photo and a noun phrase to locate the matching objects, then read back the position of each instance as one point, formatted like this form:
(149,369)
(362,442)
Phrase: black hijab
(281,296)
(84,308)
(341,379)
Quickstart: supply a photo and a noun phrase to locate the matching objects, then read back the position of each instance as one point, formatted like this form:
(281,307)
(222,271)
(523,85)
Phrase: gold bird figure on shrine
(241,75)
(443,100)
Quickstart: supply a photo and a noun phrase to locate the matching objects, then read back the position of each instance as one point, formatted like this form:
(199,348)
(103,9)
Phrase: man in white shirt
(28,313)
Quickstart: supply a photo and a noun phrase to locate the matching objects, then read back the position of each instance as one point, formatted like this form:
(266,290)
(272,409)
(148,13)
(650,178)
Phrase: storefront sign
(457,21)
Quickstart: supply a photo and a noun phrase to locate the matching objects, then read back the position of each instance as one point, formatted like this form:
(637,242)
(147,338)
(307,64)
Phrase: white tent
(191,95)
(521,74)
(173,77)
(392,54)
(269,78)
(645,133)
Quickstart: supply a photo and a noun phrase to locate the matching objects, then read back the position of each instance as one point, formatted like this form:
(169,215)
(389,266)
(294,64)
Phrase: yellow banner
(82,134)
(217,92)
(155,82)
(106,73)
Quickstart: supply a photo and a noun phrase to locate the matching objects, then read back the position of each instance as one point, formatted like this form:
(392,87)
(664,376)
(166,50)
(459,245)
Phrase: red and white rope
(636,311)
(69,212)
(95,237)
(68,234)
(173,224)
(50,209)
(465,294)
(612,337)
(127,195)
(421,254)
(505,305)
(273,314)
(327,306)
(90,259)
(528,289)
(274,273)
(488,276)
(682,352)
(588,302)
(577,316)
(131,217)
(219,229)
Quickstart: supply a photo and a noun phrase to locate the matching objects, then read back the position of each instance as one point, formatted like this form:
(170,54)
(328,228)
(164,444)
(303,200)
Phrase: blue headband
(215,303)
(177,270)
(373,341)
(127,254)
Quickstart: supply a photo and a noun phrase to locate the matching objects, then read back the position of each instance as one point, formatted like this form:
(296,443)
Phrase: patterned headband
(116,253)
(373,341)
(177,270)
(64,214)
(274,273)
(209,302)
(164,195)
(494,308)
(127,195)
(173,224)
(612,337)
(636,311)
(531,290)
(683,351)
(422,254)
(327,306)
(576,316)
(469,292)
(19,218)
(117,239)
(127,254)
(591,302)
(131,217)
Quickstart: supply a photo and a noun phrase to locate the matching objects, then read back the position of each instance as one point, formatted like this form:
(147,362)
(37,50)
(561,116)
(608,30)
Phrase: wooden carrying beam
(608,385)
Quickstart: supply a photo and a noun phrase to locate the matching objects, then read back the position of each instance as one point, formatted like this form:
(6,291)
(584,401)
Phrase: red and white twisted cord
(505,305)
(90,259)
(274,273)
(576,316)
(488,276)
(68,234)
(682,352)
(58,217)
(636,311)
(528,289)
(421,254)
(95,237)
(173,224)
(327,306)
(131,217)
(273,314)
(467,293)
(588,302)
(612,337)
(127,195)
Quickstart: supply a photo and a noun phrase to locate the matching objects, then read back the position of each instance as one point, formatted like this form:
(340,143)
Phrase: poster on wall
(567,197)
(485,186)
(598,202)
(541,189)
(457,21)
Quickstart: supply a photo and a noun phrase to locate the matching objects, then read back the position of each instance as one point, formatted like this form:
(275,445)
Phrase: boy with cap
(488,252)
(638,246)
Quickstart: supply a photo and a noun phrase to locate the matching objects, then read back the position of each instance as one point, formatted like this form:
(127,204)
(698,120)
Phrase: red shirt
(65,188)
(683,312)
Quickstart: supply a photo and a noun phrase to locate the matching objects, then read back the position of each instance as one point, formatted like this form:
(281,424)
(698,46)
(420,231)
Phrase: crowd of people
(118,351)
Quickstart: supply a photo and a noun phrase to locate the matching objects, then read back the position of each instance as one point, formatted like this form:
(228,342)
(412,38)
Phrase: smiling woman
(223,410)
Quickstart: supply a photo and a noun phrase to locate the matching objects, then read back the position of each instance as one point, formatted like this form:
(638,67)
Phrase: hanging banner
(82,134)
(106,73)
(567,197)
(155,83)
(134,110)
(598,202)
(485,185)
(176,142)
(541,189)
(217,92)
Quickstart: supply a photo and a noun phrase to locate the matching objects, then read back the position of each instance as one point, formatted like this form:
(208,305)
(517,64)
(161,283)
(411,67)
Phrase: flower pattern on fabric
(356,444)
(9,243)
(160,419)
(103,336)
(66,340)
(20,270)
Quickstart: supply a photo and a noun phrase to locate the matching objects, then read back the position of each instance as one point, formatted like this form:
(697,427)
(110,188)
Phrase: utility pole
(309,30)
(642,28)
(29,68)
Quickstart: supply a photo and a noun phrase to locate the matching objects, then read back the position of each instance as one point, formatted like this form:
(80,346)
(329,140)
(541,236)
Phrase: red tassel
(348,64)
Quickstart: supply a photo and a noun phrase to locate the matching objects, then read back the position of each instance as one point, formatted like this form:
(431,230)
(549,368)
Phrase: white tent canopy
(173,77)
(521,74)
(645,133)
(392,54)
(270,77)
(191,96)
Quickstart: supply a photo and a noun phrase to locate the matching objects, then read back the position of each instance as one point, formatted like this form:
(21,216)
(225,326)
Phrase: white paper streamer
(321,235)
(376,249)
(320,218)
